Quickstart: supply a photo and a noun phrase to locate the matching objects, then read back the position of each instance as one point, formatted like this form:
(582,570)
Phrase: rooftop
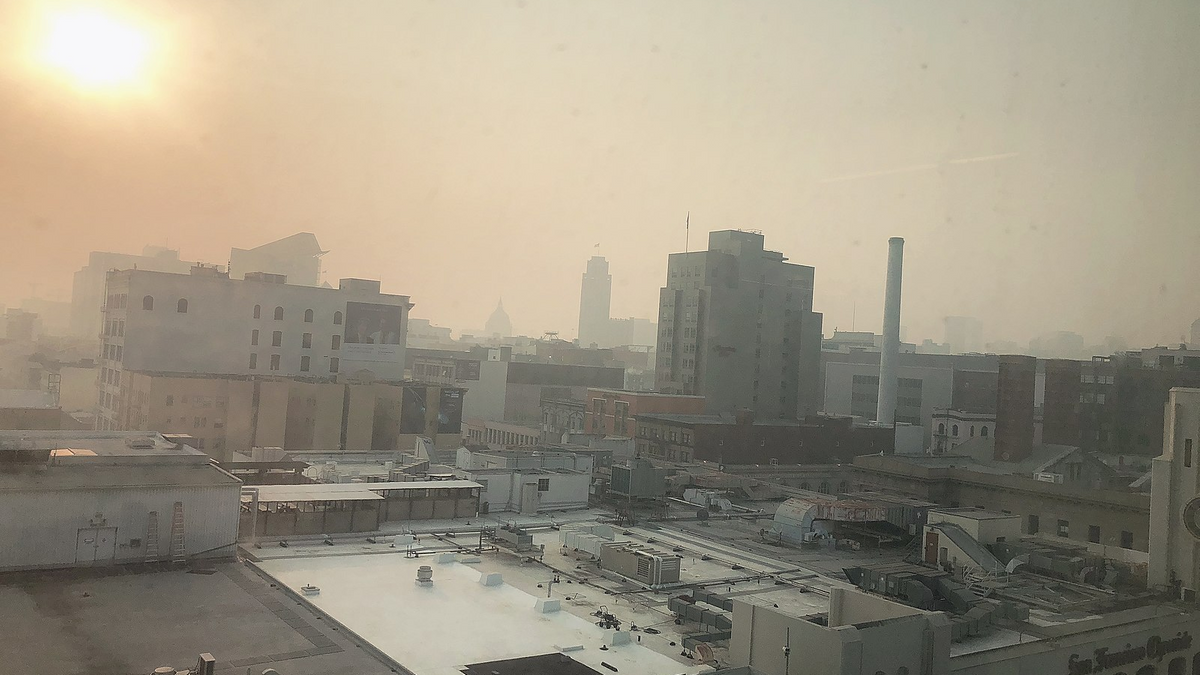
(26,398)
(644,394)
(66,446)
(89,477)
(973,513)
(349,491)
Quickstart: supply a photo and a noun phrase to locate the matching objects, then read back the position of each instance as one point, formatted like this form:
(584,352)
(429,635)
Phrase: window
(954,431)
(279,314)
(1126,539)
(306,340)
(942,428)
(1064,528)
(983,431)
(337,318)
(274,362)
(308,316)
(181,306)
(1094,534)
(304,364)
(543,485)
(277,338)
(333,365)
(170,400)
(258,311)
(1033,525)
(972,431)
(253,361)
(824,489)
(148,302)
(337,342)
(1187,452)
(254,337)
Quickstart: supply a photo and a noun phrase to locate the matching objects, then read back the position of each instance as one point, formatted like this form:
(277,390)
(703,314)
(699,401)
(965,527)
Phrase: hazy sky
(461,151)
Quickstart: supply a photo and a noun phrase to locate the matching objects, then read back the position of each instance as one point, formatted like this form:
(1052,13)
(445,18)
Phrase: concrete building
(513,391)
(562,418)
(422,334)
(297,258)
(87,290)
(91,498)
(1175,499)
(205,322)
(951,428)
(1060,402)
(612,412)
(1122,397)
(236,413)
(743,439)
(498,324)
(1014,407)
(473,458)
(530,490)
(595,303)
(736,326)
(504,434)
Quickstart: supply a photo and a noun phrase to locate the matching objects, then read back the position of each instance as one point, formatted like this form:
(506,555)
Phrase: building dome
(498,324)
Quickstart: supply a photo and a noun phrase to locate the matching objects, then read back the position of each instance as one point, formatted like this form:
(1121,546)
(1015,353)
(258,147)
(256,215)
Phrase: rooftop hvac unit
(1050,477)
(140,443)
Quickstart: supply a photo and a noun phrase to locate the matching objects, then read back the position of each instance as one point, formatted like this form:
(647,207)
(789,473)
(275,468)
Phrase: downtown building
(205,325)
(736,326)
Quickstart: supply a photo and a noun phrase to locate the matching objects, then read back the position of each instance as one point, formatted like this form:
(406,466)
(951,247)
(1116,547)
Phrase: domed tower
(498,324)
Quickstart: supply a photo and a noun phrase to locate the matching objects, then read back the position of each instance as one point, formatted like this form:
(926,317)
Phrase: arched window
(337,318)
(941,427)
(972,431)
(279,314)
(148,302)
(181,306)
(258,311)
(843,487)
(308,316)
(954,430)
(824,487)
(804,486)
(983,431)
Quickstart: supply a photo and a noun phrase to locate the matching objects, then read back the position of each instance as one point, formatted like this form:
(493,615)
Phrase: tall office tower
(736,326)
(595,298)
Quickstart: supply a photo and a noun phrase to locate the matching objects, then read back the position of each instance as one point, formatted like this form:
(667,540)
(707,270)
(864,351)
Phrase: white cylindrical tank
(885,413)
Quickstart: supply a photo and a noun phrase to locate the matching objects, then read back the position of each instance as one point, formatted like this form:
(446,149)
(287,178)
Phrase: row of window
(198,401)
(112,352)
(1064,530)
(305,363)
(114,328)
(983,430)
(309,315)
(305,340)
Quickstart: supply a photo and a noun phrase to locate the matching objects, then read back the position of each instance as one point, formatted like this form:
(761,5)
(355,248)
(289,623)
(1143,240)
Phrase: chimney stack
(885,413)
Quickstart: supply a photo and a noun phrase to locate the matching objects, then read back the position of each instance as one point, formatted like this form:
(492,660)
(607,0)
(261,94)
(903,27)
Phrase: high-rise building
(1060,403)
(736,326)
(595,299)
(1014,408)
(964,334)
(205,322)
(1175,499)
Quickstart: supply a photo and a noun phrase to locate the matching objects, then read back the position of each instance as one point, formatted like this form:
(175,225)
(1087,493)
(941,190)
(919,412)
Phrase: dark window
(274,362)
(148,302)
(954,430)
(942,428)
(258,311)
(304,364)
(333,365)
(1064,528)
(1126,539)
(254,337)
(181,306)
(1094,534)
(1187,452)
(308,316)
(337,318)
(972,431)
(983,431)
(306,340)
(277,338)
(1033,525)
(543,485)
(337,342)
(279,314)
(253,361)
(170,399)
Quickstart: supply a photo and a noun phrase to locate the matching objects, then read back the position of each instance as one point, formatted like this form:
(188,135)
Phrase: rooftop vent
(140,443)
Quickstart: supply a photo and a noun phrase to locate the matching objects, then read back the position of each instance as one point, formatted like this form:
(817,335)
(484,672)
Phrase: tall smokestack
(886,412)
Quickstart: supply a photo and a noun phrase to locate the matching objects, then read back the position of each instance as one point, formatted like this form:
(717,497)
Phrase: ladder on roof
(177,533)
(152,537)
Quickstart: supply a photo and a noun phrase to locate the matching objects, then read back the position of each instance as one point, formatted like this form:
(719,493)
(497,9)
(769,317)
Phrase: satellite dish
(704,651)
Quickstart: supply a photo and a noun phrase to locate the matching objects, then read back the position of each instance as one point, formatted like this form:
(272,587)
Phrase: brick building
(611,412)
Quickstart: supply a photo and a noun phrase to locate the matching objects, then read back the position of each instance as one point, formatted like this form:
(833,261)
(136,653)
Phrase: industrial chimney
(886,412)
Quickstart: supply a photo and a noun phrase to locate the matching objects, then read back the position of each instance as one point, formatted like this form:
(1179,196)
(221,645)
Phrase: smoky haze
(1038,158)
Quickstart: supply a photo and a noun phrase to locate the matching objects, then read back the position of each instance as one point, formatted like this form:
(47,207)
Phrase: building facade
(205,322)
(1014,407)
(513,391)
(612,412)
(736,326)
(87,289)
(1175,499)
(298,258)
(595,303)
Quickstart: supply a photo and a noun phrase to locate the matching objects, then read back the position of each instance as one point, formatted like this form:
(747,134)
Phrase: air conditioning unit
(1050,477)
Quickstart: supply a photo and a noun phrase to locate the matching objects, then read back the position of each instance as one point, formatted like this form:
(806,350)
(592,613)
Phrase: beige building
(228,414)
(207,323)
(1175,498)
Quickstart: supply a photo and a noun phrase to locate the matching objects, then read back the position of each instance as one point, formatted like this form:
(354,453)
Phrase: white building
(1175,498)
(478,458)
(205,322)
(87,290)
(530,491)
(953,427)
(85,498)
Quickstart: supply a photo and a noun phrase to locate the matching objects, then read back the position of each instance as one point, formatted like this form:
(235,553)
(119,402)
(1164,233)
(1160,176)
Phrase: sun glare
(95,49)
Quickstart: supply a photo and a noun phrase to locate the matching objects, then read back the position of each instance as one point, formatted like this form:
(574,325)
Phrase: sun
(95,49)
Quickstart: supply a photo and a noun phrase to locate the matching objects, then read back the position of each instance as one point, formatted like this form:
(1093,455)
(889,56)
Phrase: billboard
(373,332)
